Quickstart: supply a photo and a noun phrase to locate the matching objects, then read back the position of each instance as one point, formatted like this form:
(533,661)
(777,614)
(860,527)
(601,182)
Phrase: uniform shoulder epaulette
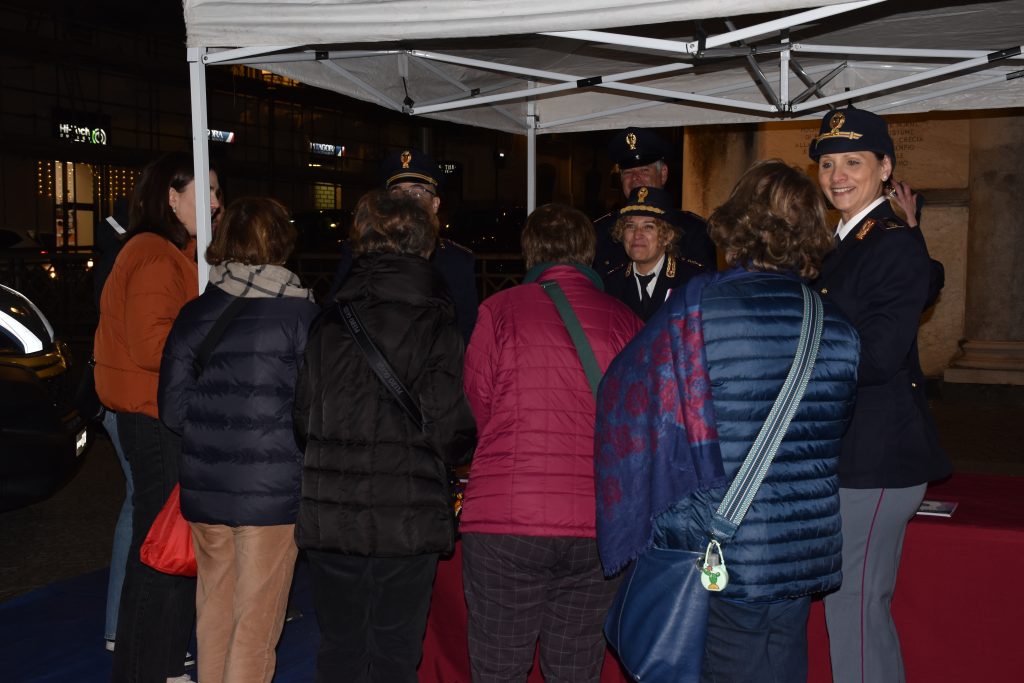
(867,227)
(892,224)
(612,271)
(690,261)
(444,243)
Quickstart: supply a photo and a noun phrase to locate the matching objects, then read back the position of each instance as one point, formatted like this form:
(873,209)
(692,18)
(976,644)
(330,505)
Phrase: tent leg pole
(200,160)
(531,154)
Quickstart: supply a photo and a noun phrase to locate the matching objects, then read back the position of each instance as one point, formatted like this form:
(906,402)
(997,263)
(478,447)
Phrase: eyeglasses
(415,192)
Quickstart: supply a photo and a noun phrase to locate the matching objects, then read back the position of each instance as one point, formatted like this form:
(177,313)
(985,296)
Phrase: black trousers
(157,610)
(372,613)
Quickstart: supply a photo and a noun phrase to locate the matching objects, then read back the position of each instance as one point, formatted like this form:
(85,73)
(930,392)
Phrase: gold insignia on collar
(406,158)
(631,141)
(641,194)
(835,123)
(670,267)
(629,270)
(865,229)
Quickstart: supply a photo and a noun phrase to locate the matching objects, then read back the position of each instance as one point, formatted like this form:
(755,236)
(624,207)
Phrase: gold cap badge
(631,141)
(406,158)
(835,123)
(641,194)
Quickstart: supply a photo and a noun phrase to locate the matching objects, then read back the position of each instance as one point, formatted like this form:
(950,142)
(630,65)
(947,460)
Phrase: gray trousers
(862,636)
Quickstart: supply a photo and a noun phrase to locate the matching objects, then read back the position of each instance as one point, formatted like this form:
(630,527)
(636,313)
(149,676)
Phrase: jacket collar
(541,268)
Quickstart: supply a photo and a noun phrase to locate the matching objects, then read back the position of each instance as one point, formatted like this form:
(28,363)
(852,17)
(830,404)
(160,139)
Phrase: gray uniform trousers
(862,636)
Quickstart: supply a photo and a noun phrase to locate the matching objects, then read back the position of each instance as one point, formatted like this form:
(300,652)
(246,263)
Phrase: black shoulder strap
(205,349)
(380,365)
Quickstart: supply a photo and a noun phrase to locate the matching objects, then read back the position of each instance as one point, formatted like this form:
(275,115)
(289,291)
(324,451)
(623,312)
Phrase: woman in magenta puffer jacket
(530,562)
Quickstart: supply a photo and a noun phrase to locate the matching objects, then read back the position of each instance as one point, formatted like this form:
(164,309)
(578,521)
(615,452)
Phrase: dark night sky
(162,17)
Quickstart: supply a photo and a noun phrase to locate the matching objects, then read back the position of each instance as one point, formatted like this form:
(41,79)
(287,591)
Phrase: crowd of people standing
(602,407)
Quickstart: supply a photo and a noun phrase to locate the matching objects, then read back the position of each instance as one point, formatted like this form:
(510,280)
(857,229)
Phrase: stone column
(993,349)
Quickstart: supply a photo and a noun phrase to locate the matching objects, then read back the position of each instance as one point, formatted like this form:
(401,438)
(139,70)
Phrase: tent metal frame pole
(898,82)
(814,70)
(693,47)
(490,99)
(303,56)
(241,54)
(692,97)
(467,94)
(993,80)
(531,153)
(464,94)
(384,99)
(893,52)
(610,82)
(784,77)
(200,160)
(494,66)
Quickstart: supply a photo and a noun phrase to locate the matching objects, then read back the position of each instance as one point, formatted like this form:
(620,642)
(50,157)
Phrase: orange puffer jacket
(151,280)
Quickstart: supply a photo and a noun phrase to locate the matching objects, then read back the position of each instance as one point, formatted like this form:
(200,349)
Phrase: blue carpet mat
(55,634)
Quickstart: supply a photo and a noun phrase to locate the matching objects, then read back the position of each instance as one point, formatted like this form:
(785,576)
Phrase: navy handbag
(658,622)
(659,619)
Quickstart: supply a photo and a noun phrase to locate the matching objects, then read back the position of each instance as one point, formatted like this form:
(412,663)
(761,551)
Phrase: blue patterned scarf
(656,441)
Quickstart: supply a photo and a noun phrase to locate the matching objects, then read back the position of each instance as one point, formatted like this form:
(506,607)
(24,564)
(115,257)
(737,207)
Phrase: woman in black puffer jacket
(375,511)
(241,466)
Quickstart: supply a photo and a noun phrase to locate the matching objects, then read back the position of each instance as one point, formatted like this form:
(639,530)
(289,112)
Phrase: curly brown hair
(254,231)
(774,220)
(667,233)
(395,225)
(556,232)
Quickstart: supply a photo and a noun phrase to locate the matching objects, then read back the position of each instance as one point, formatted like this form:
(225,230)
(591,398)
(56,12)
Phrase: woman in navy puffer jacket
(241,467)
(772,232)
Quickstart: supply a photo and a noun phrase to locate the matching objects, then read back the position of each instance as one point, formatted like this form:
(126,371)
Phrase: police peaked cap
(852,130)
(634,147)
(650,201)
(410,166)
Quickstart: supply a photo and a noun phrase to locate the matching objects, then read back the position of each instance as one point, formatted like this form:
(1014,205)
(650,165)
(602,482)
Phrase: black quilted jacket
(374,484)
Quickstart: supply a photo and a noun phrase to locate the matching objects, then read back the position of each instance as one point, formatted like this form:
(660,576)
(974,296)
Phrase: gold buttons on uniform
(913,385)
(824,290)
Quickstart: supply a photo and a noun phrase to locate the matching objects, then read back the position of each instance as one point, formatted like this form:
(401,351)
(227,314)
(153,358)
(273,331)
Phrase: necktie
(645,297)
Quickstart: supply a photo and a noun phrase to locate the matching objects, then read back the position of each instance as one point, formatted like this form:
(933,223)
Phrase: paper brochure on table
(937,508)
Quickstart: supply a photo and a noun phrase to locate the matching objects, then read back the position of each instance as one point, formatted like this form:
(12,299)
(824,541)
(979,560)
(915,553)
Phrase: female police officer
(879,275)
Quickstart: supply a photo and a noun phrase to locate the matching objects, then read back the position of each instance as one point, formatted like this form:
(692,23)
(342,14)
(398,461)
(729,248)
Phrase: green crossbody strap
(579,338)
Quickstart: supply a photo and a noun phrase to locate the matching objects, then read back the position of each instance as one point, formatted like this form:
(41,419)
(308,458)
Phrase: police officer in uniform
(648,229)
(882,279)
(639,154)
(413,173)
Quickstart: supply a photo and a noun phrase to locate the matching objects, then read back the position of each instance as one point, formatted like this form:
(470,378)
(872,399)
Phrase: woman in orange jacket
(154,276)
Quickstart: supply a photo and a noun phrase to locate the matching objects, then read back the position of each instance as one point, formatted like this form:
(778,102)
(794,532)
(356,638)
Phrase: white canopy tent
(535,66)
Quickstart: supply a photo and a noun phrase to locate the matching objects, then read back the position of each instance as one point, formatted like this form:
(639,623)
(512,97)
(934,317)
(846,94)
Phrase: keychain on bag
(713,574)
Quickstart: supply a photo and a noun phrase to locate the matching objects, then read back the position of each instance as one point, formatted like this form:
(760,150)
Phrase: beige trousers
(245,574)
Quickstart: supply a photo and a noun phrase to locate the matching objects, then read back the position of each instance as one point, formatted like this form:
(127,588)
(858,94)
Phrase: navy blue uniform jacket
(675,273)
(880,276)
